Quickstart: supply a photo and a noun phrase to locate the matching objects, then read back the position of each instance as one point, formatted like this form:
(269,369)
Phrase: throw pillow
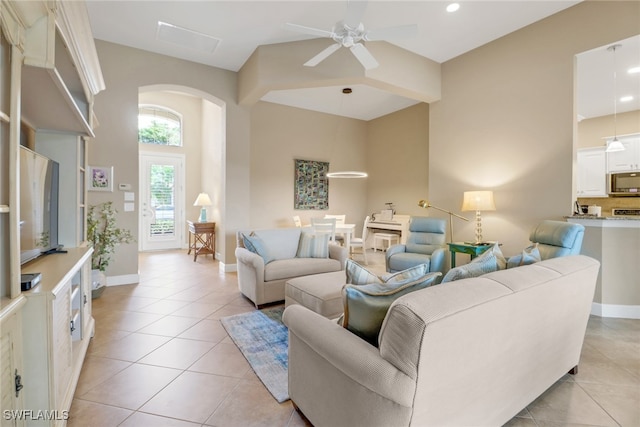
(500,259)
(313,245)
(358,275)
(365,306)
(482,264)
(256,245)
(529,255)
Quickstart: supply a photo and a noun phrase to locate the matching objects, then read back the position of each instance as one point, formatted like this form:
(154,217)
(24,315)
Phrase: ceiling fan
(350,33)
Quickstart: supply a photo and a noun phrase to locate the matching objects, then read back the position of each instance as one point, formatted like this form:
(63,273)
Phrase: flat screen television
(39,185)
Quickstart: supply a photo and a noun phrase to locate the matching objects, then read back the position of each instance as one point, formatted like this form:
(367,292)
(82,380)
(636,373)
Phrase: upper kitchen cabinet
(627,160)
(61,73)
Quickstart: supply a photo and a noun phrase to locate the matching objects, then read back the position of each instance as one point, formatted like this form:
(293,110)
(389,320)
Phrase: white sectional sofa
(262,282)
(466,353)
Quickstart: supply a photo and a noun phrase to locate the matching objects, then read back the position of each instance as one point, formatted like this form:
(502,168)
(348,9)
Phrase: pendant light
(345,174)
(614,144)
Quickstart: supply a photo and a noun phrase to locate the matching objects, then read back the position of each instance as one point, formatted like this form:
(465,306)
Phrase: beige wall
(506,120)
(593,132)
(397,156)
(281,134)
(125,70)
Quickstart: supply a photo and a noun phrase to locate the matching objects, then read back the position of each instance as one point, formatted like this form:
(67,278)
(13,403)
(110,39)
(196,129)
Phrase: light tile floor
(160,357)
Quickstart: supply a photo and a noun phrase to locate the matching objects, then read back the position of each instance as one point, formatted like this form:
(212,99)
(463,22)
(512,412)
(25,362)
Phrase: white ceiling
(242,26)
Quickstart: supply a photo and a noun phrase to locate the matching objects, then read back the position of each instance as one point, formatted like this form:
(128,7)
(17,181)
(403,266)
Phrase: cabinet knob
(73,326)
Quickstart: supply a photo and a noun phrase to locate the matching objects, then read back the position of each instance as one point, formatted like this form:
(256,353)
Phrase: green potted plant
(104,236)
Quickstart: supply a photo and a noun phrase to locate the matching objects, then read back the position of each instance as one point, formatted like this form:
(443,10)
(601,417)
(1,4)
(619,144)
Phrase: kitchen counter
(613,218)
(615,242)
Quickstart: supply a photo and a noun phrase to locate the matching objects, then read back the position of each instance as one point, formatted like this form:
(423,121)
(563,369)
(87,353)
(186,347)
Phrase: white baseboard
(228,268)
(125,279)
(615,310)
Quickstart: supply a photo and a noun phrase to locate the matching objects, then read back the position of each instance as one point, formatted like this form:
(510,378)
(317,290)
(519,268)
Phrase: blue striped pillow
(313,245)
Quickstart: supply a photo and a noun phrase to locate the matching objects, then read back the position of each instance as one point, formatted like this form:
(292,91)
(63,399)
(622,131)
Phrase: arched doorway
(202,169)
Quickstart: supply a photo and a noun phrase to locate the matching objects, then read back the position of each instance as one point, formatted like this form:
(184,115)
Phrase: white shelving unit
(49,75)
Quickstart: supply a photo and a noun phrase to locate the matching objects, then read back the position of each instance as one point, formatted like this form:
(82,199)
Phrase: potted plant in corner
(104,236)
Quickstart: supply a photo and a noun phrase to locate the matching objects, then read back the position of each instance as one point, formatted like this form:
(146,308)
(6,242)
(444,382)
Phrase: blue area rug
(264,342)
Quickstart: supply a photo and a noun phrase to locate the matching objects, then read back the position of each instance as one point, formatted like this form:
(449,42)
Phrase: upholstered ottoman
(318,292)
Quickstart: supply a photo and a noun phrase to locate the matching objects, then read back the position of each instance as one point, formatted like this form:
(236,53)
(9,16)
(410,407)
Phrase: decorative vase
(98,283)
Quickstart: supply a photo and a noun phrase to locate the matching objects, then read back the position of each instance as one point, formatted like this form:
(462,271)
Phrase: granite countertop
(615,218)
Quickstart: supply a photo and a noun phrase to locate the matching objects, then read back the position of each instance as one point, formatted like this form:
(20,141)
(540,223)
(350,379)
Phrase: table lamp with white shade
(478,201)
(203,201)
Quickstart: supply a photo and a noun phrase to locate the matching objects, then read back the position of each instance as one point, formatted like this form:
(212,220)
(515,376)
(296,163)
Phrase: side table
(204,241)
(466,248)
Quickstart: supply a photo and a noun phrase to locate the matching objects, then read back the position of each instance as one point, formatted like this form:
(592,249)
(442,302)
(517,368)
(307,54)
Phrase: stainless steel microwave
(624,184)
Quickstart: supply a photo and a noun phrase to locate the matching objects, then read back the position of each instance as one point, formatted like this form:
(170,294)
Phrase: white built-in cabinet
(592,177)
(49,75)
(627,160)
(54,351)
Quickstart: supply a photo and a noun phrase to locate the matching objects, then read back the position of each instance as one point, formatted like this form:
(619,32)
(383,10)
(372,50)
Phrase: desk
(466,248)
(203,233)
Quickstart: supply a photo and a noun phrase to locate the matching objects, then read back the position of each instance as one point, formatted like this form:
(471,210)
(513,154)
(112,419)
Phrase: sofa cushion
(313,245)
(294,267)
(359,275)
(528,256)
(256,245)
(281,242)
(484,263)
(365,306)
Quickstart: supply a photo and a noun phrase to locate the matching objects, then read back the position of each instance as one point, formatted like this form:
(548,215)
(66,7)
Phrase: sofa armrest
(250,274)
(345,354)
(339,253)
(392,250)
(437,261)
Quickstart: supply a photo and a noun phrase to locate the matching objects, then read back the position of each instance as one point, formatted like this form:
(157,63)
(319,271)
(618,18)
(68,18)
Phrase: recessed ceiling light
(186,38)
(626,98)
(634,70)
(453,7)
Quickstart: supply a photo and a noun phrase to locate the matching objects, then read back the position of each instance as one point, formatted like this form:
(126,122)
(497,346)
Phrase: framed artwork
(100,178)
(311,185)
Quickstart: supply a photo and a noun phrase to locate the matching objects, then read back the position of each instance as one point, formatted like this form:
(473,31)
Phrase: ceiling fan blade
(308,30)
(322,55)
(401,31)
(364,56)
(355,13)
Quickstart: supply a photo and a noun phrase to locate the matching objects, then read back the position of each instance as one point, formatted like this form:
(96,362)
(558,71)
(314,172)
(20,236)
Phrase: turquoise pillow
(528,256)
(256,245)
(365,306)
(482,264)
(313,245)
(358,275)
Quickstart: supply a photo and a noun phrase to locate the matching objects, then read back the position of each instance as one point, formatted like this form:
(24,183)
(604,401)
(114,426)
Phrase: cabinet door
(627,160)
(10,356)
(592,179)
(62,353)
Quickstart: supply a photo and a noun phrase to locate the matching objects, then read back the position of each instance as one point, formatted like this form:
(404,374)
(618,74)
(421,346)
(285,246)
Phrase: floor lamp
(425,204)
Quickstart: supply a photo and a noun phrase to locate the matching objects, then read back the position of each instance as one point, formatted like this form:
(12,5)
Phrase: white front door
(161,201)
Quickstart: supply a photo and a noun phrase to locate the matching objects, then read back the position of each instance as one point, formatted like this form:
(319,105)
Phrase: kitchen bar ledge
(615,242)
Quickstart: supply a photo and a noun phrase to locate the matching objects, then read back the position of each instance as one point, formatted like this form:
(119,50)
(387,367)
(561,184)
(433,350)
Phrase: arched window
(159,125)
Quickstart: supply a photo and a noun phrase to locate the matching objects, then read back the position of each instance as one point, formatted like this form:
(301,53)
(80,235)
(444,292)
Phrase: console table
(203,235)
(466,248)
